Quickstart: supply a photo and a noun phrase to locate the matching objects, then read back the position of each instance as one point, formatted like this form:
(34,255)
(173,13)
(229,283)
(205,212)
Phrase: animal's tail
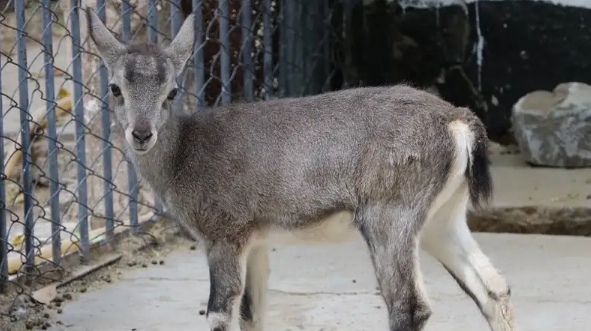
(478,172)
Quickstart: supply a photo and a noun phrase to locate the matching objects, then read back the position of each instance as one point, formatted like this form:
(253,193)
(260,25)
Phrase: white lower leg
(448,238)
(220,321)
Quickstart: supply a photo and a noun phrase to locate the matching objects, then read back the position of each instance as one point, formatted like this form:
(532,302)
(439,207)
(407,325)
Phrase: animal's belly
(336,228)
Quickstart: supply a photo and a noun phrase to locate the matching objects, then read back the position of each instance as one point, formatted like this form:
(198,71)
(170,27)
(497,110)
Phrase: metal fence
(65,183)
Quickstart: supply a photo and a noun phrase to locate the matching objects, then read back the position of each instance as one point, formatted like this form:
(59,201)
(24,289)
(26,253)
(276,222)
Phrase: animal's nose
(141,134)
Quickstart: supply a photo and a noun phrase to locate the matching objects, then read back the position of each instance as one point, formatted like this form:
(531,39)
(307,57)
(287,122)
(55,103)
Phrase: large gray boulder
(554,128)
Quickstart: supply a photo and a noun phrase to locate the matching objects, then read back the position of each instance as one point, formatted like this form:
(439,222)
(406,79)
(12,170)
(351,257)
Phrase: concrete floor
(519,185)
(325,288)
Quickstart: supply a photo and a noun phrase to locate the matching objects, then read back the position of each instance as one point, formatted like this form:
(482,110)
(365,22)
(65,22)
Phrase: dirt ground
(145,250)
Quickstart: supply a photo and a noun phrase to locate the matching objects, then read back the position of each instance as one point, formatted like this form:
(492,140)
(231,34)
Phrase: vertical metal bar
(133,193)
(175,26)
(106,135)
(283,34)
(198,64)
(225,51)
(153,38)
(314,62)
(152,22)
(56,244)
(132,176)
(304,49)
(326,46)
(3,225)
(23,89)
(126,20)
(175,21)
(346,42)
(247,64)
(291,48)
(268,49)
(295,49)
(80,139)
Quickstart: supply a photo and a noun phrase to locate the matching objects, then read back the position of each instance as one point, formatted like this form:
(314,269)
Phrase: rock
(553,128)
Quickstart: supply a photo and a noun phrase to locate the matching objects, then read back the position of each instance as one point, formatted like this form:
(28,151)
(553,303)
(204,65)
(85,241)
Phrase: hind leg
(448,239)
(391,235)
(254,300)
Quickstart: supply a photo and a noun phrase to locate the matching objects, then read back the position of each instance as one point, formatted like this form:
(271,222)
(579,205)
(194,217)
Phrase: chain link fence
(66,185)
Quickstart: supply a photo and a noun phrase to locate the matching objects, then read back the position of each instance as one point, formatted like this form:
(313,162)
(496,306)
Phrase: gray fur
(234,173)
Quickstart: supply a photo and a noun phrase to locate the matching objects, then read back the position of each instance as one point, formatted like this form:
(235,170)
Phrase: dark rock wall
(529,45)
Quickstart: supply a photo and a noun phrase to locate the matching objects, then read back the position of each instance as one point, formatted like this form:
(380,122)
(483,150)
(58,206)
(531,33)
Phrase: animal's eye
(172,94)
(115,90)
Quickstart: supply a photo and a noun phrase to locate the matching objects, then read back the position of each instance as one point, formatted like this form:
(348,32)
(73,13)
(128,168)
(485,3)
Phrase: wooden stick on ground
(69,245)
(46,294)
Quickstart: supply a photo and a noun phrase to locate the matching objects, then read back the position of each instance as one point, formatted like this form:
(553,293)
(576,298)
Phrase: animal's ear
(108,46)
(181,48)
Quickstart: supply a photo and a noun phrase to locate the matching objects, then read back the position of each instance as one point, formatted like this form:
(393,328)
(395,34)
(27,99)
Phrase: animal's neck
(157,166)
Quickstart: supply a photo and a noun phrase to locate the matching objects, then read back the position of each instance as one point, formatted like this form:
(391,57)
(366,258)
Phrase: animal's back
(398,116)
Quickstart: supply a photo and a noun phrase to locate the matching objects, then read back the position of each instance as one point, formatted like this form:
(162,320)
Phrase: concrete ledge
(575,221)
(535,200)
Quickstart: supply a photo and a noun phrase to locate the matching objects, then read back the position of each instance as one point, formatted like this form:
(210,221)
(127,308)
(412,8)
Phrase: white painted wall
(433,3)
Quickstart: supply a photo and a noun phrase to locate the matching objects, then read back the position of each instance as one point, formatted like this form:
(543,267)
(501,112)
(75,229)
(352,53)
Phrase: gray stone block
(554,128)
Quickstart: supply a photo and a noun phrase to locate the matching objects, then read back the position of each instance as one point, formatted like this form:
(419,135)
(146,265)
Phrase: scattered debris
(46,294)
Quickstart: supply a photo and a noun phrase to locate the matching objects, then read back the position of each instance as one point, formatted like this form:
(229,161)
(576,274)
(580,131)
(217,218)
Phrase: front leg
(227,276)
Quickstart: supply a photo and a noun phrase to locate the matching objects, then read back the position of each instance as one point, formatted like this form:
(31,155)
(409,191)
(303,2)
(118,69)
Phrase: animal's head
(142,79)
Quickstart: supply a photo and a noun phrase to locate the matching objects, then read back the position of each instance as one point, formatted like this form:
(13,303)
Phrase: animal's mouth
(141,151)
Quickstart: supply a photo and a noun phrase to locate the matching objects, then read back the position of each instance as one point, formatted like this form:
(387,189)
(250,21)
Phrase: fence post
(327,25)
(3,225)
(26,178)
(225,51)
(54,190)
(80,138)
(301,69)
(303,49)
(198,65)
(268,49)
(346,37)
(284,37)
(153,38)
(291,51)
(126,9)
(152,22)
(175,26)
(106,134)
(315,38)
(247,63)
